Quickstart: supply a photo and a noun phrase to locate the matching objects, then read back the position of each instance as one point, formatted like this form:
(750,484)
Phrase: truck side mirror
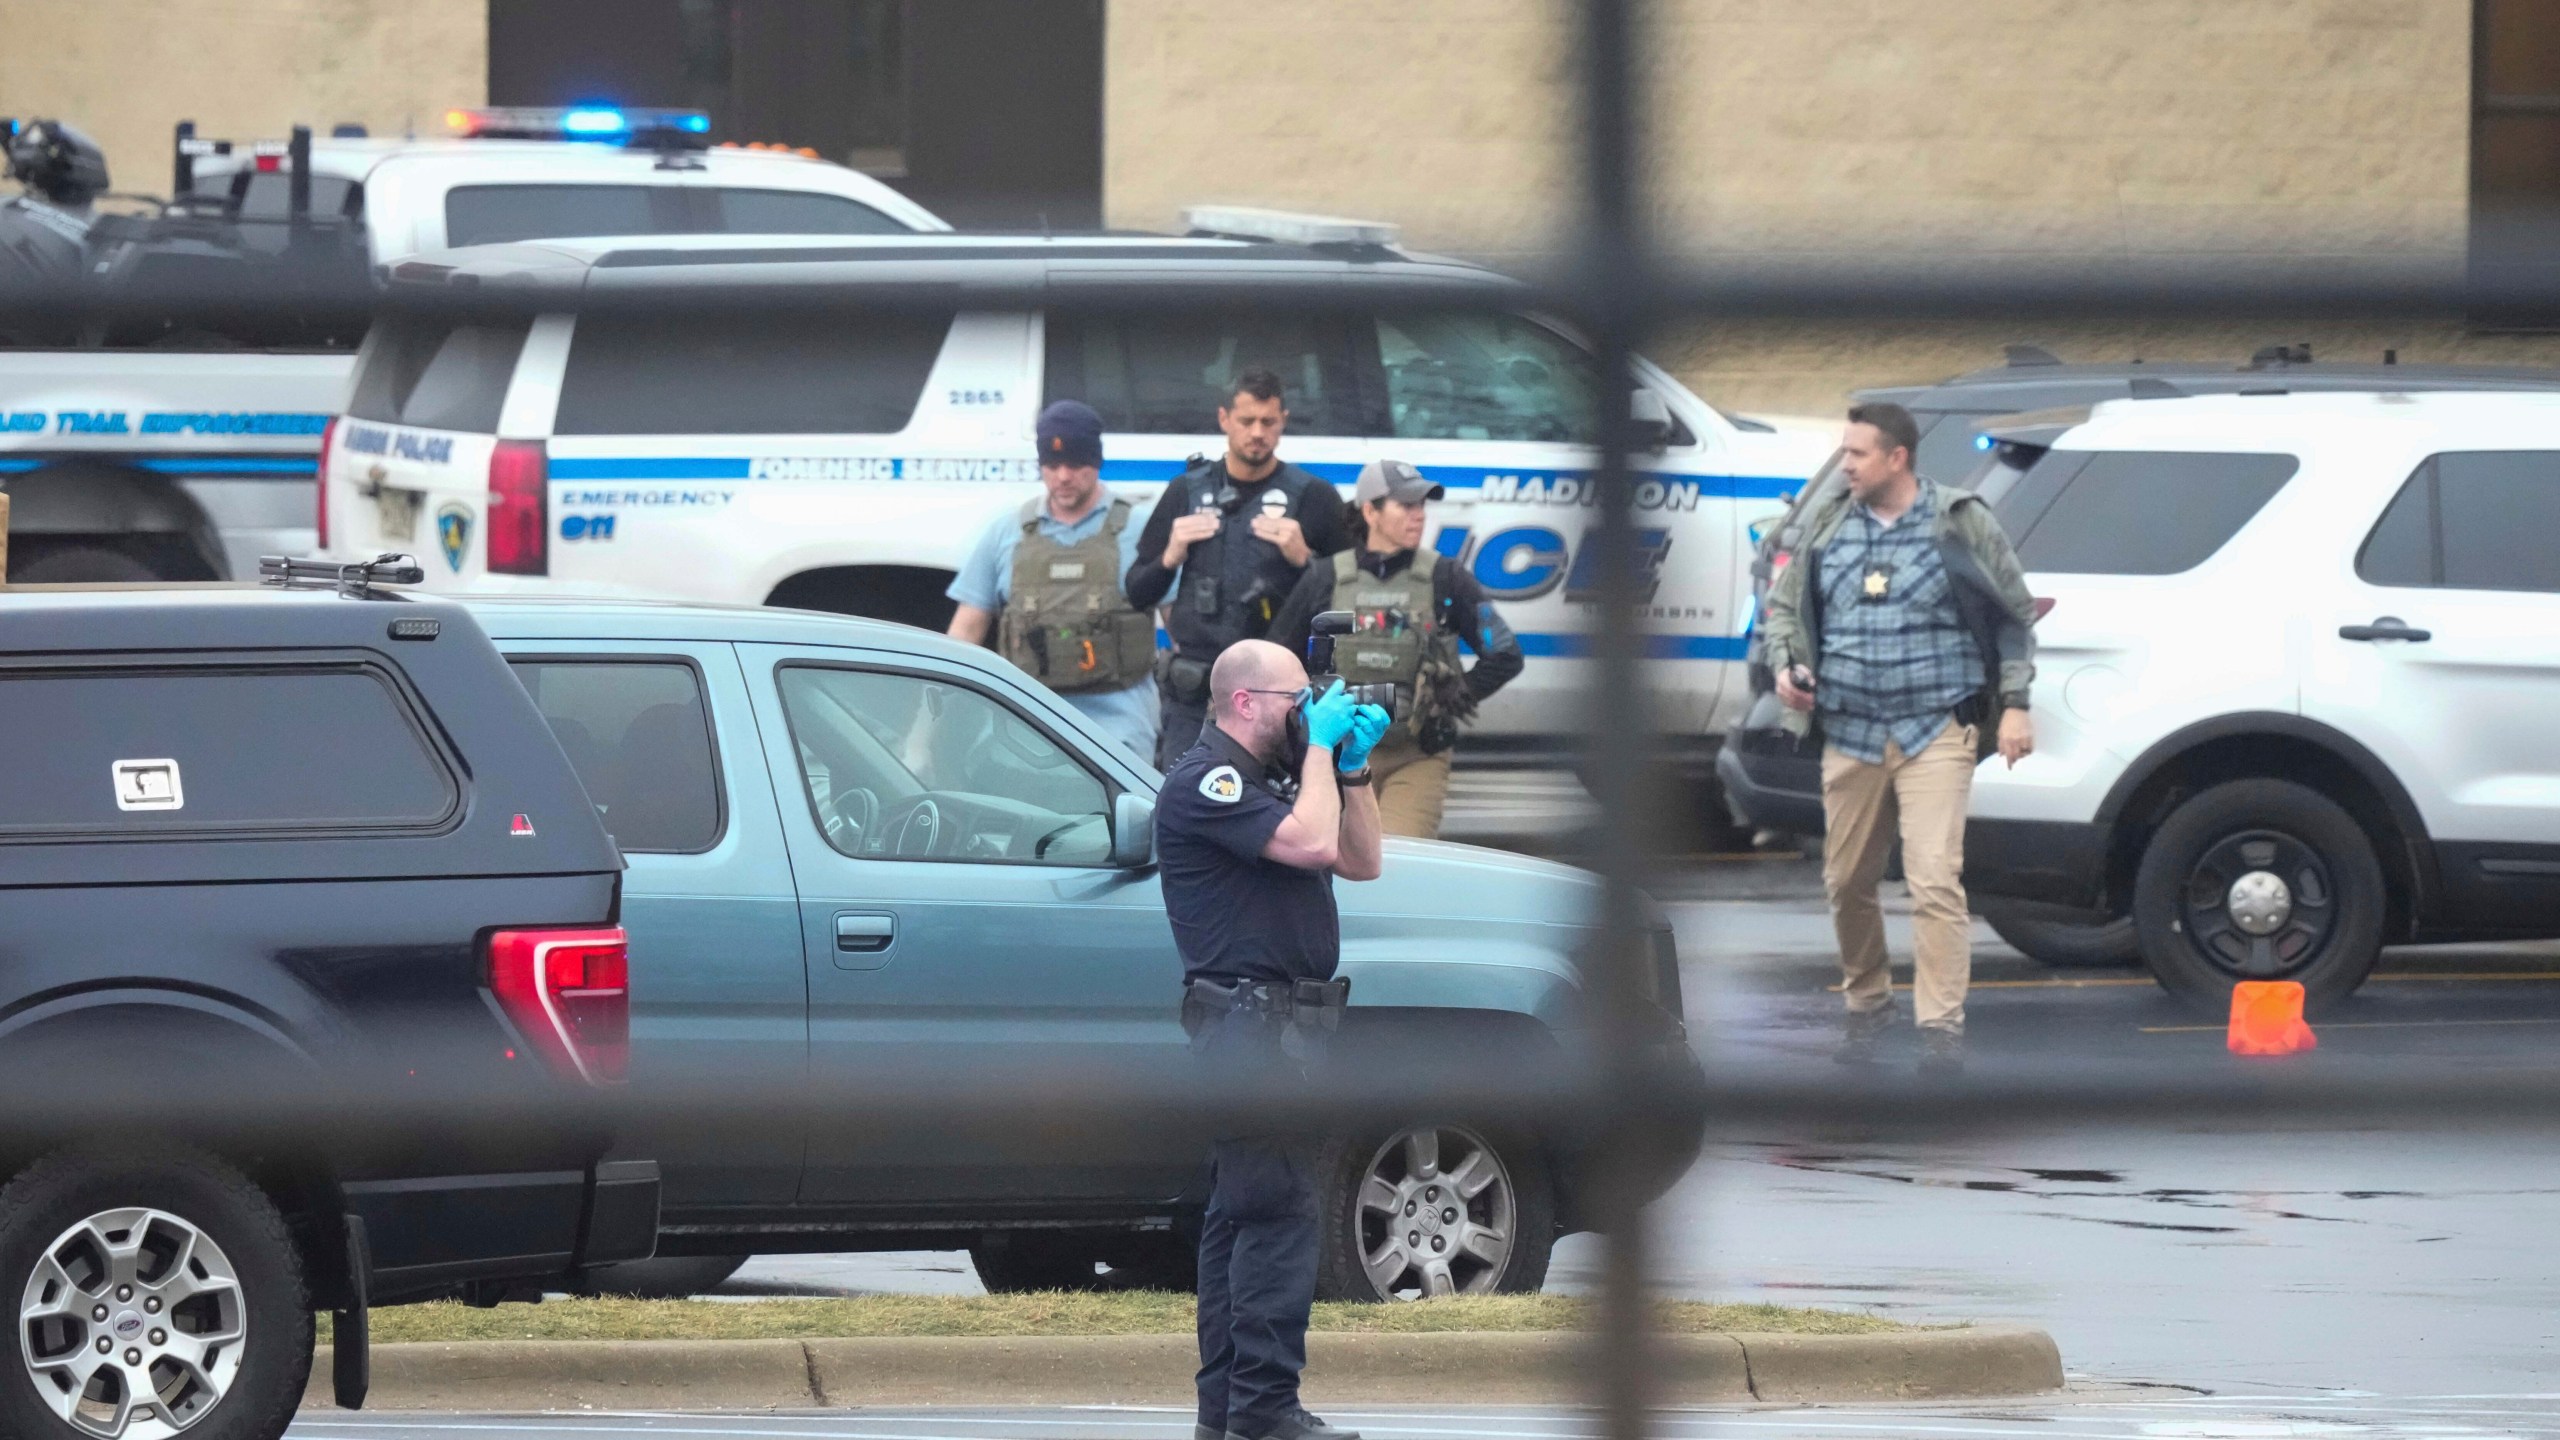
(1653,425)
(1133,832)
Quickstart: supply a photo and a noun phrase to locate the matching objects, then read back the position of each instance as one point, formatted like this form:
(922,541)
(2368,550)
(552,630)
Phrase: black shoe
(1208,1432)
(1296,1425)
(1862,1036)
(1941,1052)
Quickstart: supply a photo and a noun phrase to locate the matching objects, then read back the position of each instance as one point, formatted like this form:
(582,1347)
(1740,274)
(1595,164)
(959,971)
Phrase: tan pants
(1921,797)
(1413,788)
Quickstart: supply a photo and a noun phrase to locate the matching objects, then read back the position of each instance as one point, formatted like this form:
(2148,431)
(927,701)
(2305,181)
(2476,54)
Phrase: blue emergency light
(610,124)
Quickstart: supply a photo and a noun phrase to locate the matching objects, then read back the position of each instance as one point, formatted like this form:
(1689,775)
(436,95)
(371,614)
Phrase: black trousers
(1258,1242)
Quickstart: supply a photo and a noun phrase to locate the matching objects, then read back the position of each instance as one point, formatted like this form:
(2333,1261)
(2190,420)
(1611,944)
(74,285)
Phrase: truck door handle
(865,933)
(2386,627)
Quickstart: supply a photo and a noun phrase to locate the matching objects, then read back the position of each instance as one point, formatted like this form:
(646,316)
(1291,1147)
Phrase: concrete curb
(1469,1366)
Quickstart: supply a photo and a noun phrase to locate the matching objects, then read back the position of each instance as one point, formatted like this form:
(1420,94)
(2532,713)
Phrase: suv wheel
(2259,880)
(1433,1210)
(157,1296)
(2056,939)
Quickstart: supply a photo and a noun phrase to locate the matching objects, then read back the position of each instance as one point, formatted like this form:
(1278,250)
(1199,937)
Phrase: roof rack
(1287,227)
(2020,356)
(356,581)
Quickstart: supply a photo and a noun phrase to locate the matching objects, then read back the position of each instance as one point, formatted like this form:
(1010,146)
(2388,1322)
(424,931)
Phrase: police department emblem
(453,532)
(1275,506)
(1223,785)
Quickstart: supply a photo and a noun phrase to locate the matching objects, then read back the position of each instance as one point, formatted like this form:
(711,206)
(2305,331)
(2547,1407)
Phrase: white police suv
(741,443)
(499,174)
(2296,682)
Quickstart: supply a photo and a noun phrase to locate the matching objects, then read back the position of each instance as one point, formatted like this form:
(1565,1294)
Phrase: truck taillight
(320,504)
(519,509)
(569,992)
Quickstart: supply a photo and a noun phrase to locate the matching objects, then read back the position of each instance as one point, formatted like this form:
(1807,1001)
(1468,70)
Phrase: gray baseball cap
(1393,480)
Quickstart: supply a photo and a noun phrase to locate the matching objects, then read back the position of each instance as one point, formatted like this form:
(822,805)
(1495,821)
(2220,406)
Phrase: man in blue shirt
(1046,580)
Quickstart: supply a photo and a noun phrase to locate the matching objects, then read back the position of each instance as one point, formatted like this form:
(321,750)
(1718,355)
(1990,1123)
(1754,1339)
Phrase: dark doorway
(987,111)
(2515,164)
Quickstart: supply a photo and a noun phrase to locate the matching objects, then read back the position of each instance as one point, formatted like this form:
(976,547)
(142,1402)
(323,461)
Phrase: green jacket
(1990,589)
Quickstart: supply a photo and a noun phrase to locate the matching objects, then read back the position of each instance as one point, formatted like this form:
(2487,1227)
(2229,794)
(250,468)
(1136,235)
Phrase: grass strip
(1049,1313)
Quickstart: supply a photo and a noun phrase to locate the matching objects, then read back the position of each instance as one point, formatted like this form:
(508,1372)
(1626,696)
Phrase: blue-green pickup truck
(851,842)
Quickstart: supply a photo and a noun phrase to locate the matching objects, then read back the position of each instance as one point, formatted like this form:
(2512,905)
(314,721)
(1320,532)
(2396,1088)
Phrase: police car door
(1158,377)
(963,922)
(1503,411)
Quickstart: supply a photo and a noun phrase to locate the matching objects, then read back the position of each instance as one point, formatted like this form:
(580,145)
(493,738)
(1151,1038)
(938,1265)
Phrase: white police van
(186,455)
(685,418)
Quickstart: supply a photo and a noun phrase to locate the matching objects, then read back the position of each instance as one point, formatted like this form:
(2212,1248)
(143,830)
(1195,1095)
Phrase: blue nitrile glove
(1368,726)
(1329,717)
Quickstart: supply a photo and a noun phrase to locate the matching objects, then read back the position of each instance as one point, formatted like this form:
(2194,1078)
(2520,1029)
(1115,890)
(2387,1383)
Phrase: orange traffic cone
(2266,1019)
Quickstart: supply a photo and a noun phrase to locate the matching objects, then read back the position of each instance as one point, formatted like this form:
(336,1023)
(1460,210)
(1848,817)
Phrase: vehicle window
(2026,498)
(1167,374)
(908,767)
(269,196)
(756,373)
(226,751)
(497,214)
(438,374)
(1479,376)
(797,212)
(1947,452)
(2497,513)
(2132,512)
(2401,551)
(640,740)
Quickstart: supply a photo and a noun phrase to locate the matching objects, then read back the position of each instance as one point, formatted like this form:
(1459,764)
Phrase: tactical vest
(1067,621)
(1234,581)
(1379,650)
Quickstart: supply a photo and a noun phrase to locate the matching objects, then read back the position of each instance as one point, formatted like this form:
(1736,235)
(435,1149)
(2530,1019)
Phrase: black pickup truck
(312,988)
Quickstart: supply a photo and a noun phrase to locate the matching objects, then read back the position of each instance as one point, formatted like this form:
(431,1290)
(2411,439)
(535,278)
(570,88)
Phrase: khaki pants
(1413,788)
(1922,797)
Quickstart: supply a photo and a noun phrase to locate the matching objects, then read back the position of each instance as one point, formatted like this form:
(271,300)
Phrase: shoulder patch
(1223,785)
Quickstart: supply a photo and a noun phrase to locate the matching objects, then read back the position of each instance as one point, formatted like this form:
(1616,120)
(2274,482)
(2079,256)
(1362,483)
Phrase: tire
(672,1277)
(1517,1205)
(2327,929)
(56,1221)
(82,565)
(2049,939)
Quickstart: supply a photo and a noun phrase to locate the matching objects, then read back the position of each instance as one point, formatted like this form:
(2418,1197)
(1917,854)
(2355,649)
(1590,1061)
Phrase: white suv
(2297,681)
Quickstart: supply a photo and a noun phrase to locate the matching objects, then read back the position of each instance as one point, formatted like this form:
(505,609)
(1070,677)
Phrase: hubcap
(2259,905)
(2260,902)
(132,1326)
(1437,1214)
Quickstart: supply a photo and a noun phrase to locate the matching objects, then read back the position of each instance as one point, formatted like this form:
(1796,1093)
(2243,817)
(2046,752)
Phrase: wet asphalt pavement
(2290,1256)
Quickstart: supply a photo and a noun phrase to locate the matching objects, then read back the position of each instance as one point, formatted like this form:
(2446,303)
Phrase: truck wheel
(156,1294)
(1433,1210)
(2054,939)
(2259,880)
(668,1277)
(81,565)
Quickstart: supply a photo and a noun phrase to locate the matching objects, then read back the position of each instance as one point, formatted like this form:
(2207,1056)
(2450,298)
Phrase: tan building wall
(127,71)
(1986,132)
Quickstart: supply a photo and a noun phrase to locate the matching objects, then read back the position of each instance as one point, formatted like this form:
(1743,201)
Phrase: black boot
(1862,1036)
(1295,1425)
(1941,1052)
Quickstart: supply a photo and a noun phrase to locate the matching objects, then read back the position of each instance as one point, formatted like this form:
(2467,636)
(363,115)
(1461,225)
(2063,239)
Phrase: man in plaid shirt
(1904,624)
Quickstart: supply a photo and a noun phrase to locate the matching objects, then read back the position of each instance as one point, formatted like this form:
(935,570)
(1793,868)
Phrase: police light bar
(607,124)
(1283,227)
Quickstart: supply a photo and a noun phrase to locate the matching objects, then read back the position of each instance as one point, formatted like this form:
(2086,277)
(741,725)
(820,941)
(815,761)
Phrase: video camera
(1330,626)
(55,161)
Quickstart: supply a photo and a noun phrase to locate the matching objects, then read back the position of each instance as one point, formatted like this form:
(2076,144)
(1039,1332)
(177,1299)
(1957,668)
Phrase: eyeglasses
(1297,694)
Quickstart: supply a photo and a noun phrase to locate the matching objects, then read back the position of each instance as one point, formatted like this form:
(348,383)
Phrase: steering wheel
(915,828)
(849,817)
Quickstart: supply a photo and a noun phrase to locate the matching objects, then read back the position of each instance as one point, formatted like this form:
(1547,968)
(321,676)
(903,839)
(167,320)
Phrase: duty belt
(1310,1002)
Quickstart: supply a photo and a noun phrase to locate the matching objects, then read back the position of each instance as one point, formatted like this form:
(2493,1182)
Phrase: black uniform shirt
(1236,915)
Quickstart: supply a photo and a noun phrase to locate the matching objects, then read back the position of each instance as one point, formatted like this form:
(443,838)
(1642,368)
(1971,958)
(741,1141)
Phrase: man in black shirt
(1250,843)
(1227,542)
